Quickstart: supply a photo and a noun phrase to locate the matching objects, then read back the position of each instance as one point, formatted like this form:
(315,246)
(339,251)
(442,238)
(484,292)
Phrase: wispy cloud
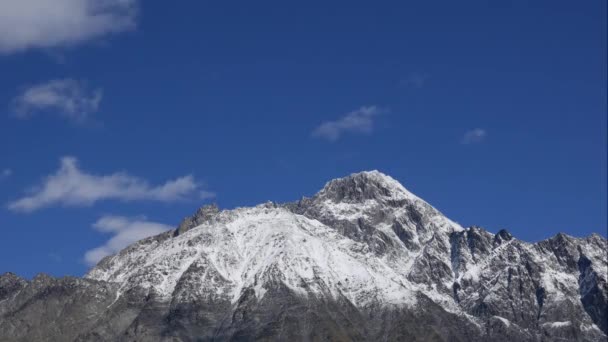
(473,136)
(359,121)
(55,257)
(5,173)
(416,79)
(204,194)
(68,98)
(125,231)
(31,24)
(70,186)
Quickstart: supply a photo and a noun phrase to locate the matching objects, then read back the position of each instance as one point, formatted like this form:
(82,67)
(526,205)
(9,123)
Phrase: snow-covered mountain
(363,259)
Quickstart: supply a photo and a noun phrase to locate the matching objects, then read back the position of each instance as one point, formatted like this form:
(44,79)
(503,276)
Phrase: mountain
(363,259)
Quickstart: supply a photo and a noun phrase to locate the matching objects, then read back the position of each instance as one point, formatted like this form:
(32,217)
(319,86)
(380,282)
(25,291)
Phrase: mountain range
(364,259)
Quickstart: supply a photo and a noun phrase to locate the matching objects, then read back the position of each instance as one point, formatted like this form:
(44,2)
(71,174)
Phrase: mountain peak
(365,185)
(371,176)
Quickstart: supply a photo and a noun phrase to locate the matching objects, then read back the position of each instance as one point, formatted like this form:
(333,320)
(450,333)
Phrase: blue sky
(119,122)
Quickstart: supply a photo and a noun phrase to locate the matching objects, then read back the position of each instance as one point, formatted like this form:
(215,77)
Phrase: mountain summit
(363,259)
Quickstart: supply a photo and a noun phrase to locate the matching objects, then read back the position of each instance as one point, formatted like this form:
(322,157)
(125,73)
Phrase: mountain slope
(363,259)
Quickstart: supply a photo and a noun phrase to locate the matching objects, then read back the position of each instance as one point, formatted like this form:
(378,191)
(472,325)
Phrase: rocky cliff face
(363,259)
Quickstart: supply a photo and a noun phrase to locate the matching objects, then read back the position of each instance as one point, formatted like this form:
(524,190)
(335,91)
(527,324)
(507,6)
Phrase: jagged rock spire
(203,214)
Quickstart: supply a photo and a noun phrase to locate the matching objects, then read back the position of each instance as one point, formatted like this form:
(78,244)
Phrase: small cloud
(473,136)
(416,79)
(4,174)
(359,121)
(44,24)
(67,98)
(70,186)
(55,257)
(125,231)
(204,194)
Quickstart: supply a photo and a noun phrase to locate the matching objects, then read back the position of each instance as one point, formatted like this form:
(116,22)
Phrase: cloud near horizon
(71,187)
(44,24)
(473,136)
(359,121)
(67,98)
(125,231)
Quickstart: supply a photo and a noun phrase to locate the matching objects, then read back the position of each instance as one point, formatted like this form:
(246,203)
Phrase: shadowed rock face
(362,260)
(203,214)
(71,309)
(50,309)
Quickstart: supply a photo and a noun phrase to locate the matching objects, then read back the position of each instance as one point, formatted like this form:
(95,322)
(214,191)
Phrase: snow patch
(557,324)
(505,321)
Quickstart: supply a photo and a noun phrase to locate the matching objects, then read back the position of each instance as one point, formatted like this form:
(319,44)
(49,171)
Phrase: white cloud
(125,231)
(70,186)
(358,121)
(67,98)
(473,136)
(31,24)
